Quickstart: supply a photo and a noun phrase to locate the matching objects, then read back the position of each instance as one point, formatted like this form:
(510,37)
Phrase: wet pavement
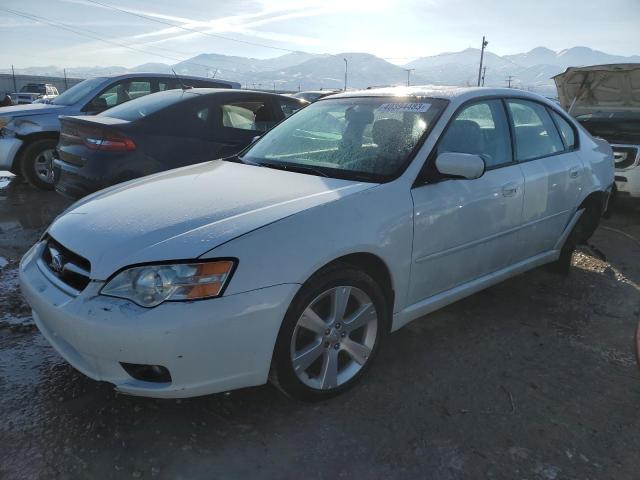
(532,379)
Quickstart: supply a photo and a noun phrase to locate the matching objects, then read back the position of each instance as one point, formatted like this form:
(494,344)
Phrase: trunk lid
(80,135)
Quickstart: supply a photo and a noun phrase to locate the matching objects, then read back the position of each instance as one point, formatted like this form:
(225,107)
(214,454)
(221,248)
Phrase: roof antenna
(182,85)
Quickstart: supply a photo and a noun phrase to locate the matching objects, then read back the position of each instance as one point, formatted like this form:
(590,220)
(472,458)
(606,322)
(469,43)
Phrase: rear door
(552,172)
(464,229)
(188,133)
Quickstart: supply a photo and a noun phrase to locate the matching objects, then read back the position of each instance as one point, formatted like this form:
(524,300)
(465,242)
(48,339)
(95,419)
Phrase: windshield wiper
(294,168)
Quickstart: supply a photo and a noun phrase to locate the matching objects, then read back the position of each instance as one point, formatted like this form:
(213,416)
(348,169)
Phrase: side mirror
(463,165)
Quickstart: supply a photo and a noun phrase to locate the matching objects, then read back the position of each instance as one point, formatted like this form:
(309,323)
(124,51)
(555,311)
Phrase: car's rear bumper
(9,147)
(71,182)
(207,346)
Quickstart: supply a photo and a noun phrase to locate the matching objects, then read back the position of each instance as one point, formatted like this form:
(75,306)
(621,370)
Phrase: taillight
(110,143)
(96,138)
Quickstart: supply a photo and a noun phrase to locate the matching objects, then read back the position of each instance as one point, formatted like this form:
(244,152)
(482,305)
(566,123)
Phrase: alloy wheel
(43,165)
(334,337)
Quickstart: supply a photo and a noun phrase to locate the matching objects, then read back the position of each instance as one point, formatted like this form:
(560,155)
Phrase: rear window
(146,105)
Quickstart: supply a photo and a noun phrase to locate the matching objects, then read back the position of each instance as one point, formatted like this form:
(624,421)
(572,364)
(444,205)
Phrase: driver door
(464,229)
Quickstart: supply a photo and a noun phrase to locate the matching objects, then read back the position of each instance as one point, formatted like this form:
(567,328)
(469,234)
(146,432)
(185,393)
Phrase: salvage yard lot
(534,378)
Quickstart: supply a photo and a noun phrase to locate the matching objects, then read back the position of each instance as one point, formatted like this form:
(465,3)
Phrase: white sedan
(292,261)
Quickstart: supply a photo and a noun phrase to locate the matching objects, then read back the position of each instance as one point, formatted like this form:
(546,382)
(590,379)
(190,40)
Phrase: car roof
(452,93)
(164,75)
(225,91)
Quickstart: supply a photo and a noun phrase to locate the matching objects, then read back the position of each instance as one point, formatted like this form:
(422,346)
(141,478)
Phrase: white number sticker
(404,107)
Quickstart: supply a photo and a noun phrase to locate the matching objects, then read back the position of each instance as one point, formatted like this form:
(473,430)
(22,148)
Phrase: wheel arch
(28,140)
(373,266)
(594,205)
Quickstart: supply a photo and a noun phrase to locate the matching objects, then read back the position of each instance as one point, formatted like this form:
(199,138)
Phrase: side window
(566,130)
(289,107)
(139,89)
(250,115)
(122,92)
(480,129)
(167,85)
(534,131)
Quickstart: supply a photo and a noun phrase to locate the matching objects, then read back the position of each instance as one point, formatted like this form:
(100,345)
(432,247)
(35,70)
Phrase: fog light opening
(147,373)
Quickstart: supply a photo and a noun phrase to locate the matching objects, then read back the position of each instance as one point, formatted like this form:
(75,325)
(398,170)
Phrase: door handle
(509,190)
(574,172)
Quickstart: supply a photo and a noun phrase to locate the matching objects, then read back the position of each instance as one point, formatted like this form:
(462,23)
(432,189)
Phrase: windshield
(366,138)
(75,93)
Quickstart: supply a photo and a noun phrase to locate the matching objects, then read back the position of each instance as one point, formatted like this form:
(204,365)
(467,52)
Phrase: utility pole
(409,70)
(13,74)
(346,68)
(484,72)
(66,85)
(484,44)
(509,78)
(274,87)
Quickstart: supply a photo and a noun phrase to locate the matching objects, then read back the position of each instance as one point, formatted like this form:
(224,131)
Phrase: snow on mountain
(532,69)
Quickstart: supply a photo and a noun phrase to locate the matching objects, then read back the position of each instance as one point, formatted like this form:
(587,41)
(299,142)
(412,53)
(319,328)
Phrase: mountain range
(299,70)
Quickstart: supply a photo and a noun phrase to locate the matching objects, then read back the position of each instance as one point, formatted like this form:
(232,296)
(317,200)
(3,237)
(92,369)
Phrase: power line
(187,29)
(94,36)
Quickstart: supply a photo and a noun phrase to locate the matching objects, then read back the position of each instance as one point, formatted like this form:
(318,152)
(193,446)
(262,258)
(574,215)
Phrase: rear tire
(321,352)
(36,163)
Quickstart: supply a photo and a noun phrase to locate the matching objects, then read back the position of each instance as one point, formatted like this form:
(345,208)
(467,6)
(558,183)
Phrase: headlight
(150,285)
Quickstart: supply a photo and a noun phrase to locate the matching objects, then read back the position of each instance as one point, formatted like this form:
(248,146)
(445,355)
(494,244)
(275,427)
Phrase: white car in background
(605,99)
(292,262)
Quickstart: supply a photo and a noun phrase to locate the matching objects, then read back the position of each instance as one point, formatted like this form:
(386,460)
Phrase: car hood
(31,109)
(183,213)
(600,88)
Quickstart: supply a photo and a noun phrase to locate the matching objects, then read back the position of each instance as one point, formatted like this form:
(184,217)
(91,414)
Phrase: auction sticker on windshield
(404,107)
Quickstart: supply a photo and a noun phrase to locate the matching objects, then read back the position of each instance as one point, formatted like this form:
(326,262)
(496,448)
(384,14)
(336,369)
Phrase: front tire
(330,334)
(36,163)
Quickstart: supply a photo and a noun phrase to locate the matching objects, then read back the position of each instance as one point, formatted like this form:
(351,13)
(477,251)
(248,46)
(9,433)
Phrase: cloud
(247,24)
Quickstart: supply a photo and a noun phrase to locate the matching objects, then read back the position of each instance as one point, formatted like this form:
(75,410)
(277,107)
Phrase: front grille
(624,157)
(69,267)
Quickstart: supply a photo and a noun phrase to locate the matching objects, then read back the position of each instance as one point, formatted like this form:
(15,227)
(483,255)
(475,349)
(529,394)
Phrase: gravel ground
(532,379)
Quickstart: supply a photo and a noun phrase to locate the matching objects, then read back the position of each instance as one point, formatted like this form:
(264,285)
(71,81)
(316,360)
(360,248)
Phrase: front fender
(378,221)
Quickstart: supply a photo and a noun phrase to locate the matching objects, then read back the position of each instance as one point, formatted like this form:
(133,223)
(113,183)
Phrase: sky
(71,33)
